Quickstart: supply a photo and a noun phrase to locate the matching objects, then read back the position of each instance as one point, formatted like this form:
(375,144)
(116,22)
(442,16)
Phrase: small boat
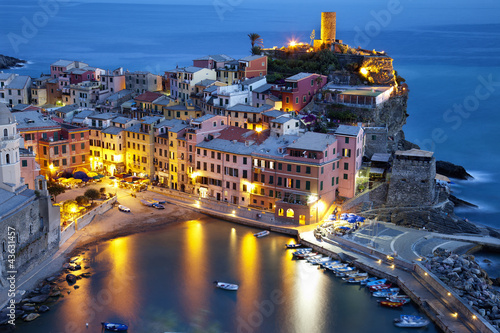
(157,205)
(369,280)
(305,249)
(123,209)
(411,321)
(293,246)
(114,327)
(399,298)
(373,283)
(146,203)
(262,233)
(320,260)
(380,287)
(226,286)
(390,304)
(354,279)
(329,263)
(347,274)
(385,294)
(344,269)
(306,255)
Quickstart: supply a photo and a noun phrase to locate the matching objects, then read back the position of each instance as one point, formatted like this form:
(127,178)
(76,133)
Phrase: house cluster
(215,129)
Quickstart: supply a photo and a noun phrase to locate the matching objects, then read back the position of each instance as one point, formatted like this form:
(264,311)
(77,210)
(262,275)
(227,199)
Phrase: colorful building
(300,89)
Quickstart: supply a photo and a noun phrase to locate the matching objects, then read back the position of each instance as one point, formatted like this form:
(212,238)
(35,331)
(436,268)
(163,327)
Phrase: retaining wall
(86,218)
(67,233)
(480,324)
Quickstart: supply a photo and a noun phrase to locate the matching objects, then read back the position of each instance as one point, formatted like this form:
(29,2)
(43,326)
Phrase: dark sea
(448,56)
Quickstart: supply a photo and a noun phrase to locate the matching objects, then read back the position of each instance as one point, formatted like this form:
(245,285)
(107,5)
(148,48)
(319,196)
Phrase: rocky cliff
(9,62)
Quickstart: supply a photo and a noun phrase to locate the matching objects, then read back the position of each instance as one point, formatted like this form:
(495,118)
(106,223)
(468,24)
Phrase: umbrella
(343,217)
(351,220)
(345,228)
(92,174)
(360,219)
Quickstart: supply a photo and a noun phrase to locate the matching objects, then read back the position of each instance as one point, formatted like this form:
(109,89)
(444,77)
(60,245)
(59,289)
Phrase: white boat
(123,208)
(226,286)
(399,298)
(385,294)
(369,280)
(262,233)
(303,250)
(293,246)
(411,321)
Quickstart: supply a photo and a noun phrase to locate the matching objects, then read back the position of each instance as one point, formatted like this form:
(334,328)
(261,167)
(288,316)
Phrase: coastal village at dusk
(303,141)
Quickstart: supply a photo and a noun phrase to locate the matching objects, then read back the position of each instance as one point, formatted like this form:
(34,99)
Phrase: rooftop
(249,108)
(381,157)
(298,77)
(62,63)
(68,108)
(148,120)
(263,88)
(203,118)
(103,116)
(252,57)
(313,141)
(173,125)
(27,120)
(122,120)
(372,93)
(282,120)
(113,130)
(274,113)
(19,82)
(414,153)
(20,107)
(205,83)
(227,146)
(348,130)
(234,133)
(10,201)
(216,57)
(5,76)
(119,94)
(271,144)
(148,96)
(253,80)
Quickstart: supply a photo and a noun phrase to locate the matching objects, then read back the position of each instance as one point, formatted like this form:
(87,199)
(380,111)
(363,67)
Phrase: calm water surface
(161,281)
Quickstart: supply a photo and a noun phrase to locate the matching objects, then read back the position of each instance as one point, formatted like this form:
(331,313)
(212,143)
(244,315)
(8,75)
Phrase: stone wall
(67,233)
(412,183)
(85,219)
(376,140)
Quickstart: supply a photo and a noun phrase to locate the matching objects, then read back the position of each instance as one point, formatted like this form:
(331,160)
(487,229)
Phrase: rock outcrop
(451,170)
(9,62)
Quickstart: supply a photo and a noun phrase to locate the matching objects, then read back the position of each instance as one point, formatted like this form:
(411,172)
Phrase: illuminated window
(289,212)
(280,212)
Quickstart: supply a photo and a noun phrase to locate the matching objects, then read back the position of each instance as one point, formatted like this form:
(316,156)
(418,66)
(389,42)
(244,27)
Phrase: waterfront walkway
(424,295)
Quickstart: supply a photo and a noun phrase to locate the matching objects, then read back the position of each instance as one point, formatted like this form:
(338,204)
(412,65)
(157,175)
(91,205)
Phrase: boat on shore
(262,233)
(123,208)
(399,298)
(293,246)
(385,294)
(226,286)
(115,327)
(380,287)
(146,203)
(369,280)
(411,321)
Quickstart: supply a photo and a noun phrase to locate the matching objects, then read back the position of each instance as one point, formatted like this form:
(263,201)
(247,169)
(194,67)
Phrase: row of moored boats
(379,288)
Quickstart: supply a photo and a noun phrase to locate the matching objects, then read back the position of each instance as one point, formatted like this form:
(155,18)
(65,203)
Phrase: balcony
(10,137)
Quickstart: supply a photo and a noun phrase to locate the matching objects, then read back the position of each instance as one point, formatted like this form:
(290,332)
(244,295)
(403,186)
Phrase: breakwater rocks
(464,275)
(7,62)
(31,304)
(452,170)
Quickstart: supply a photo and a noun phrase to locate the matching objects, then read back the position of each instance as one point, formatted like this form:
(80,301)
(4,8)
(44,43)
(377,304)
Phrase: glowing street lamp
(364,71)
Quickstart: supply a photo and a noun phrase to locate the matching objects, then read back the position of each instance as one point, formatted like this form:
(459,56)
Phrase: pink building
(212,61)
(252,66)
(350,150)
(61,66)
(300,89)
(29,168)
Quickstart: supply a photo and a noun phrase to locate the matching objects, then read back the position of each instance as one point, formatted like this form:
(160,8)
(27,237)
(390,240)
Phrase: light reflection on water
(162,281)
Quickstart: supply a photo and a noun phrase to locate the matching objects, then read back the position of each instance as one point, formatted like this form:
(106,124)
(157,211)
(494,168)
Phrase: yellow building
(182,111)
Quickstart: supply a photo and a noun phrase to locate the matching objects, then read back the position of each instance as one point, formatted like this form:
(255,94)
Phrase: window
(298,168)
(271,179)
(308,170)
(287,99)
(333,181)
(321,185)
(280,166)
(374,137)
(297,184)
(63,149)
(72,135)
(235,158)
(279,181)
(245,174)
(24,163)
(308,185)
(83,145)
(271,194)
(73,147)
(56,150)
(63,161)
(346,152)
(289,167)
(333,166)
(346,166)
(322,170)
(83,158)
(345,176)
(244,160)
(296,100)
(346,140)
(73,159)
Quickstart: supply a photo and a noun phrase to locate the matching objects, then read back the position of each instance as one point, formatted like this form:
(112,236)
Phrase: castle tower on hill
(328,27)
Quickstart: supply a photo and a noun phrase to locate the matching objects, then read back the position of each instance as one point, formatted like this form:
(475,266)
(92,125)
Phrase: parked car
(158,206)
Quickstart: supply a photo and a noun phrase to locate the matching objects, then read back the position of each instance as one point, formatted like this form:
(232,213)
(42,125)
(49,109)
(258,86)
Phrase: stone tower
(328,27)
(10,169)
(413,179)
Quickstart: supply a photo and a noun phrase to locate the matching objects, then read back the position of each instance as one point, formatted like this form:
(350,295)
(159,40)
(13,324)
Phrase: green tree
(102,190)
(55,189)
(256,50)
(92,194)
(82,200)
(254,38)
